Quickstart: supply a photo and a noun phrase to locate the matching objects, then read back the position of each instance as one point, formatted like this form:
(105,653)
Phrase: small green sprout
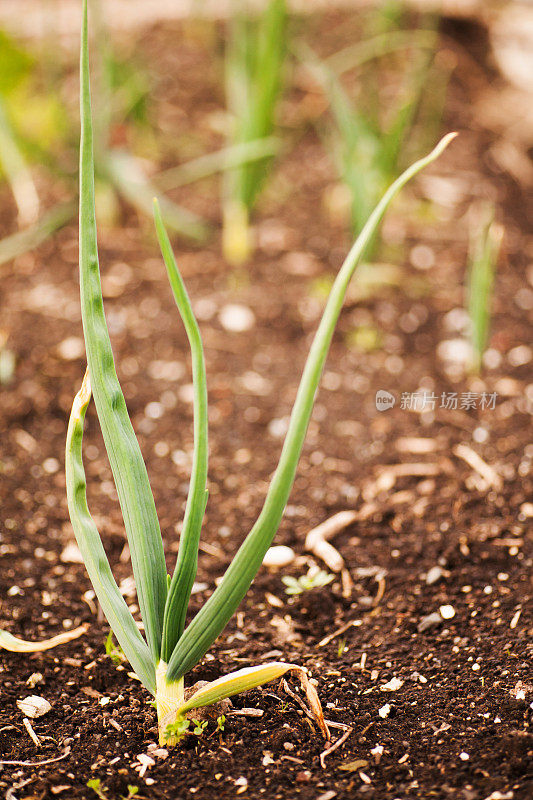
(341,648)
(96,785)
(199,726)
(314,579)
(171,649)
(175,731)
(114,651)
(221,723)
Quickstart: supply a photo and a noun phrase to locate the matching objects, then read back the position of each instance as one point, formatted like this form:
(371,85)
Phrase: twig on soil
(10,794)
(346,583)
(292,759)
(329,638)
(31,733)
(35,763)
(246,712)
(416,444)
(340,741)
(317,540)
(389,474)
(380,580)
(478,465)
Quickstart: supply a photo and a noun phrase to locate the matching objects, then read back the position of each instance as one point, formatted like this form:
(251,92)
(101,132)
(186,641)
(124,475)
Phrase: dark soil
(459,725)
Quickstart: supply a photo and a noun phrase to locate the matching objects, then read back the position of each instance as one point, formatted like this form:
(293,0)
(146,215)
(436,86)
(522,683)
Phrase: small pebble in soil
(71,554)
(433,575)
(34,679)
(278,427)
(447,612)
(429,621)
(236,318)
(392,686)
(520,355)
(377,752)
(279,556)
(455,351)
(71,348)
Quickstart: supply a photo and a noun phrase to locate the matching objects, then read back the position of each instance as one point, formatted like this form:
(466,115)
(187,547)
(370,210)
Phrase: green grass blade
(127,465)
(187,562)
(356,143)
(394,139)
(213,617)
(113,604)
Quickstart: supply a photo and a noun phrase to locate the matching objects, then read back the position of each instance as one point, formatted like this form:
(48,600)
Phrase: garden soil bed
(457,722)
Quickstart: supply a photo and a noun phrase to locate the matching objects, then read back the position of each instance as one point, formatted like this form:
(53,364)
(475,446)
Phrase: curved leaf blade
(250,678)
(96,562)
(187,562)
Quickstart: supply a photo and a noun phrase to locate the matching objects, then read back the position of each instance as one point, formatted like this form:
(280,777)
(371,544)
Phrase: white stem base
(169,697)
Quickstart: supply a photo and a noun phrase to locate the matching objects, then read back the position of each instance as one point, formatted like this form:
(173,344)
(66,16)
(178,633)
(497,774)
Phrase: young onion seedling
(485,246)
(255,58)
(170,650)
(367,146)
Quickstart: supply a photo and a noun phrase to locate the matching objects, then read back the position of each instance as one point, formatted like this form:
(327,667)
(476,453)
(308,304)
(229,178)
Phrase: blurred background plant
(33,131)
(375,126)
(37,130)
(381,116)
(485,243)
(254,68)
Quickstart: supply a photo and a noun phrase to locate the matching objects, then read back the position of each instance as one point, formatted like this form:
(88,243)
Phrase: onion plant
(14,167)
(170,649)
(255,57)
(485,246)
(367,137)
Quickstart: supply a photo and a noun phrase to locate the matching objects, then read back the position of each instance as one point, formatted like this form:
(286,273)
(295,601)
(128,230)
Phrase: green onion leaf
(88,539)
(215,614)
(127,465)
(186,565)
